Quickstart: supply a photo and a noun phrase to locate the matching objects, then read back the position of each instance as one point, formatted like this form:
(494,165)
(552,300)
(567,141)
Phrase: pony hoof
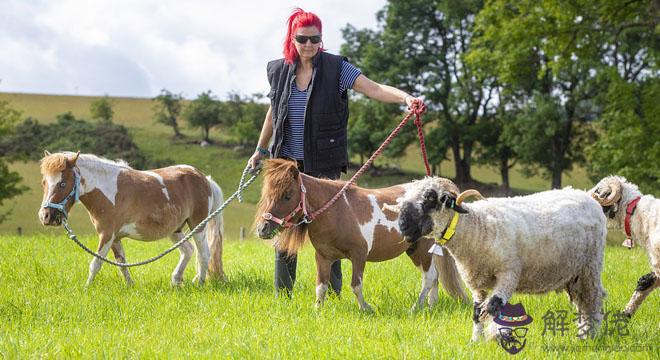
(177,281)
(367,309)
(416,308)
(219,278)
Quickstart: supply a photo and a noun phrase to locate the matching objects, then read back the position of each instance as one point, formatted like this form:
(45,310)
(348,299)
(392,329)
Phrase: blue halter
(75,193)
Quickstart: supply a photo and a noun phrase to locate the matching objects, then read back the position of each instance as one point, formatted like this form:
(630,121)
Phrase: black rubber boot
(285,273)
(335,277)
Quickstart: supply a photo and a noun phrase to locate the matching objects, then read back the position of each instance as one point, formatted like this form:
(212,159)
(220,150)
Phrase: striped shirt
(292,146)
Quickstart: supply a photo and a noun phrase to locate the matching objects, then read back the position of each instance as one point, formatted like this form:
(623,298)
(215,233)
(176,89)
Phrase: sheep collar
(630,210)
(449,231)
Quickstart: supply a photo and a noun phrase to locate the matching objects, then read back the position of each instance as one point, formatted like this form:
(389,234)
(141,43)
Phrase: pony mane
(94,159)
(57,162)
(279,174)
(53,163)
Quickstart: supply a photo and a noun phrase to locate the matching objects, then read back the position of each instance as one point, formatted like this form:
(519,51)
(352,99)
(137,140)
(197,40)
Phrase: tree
(532,50)
(10,181)
(629,143)
(627,44)
(203,113)
(101,109)
(167,109)
(421,49)
(252,115)
(369,125)
(494,142)
(68,133)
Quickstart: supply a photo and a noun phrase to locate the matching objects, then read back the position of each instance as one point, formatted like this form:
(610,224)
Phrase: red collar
(630,210)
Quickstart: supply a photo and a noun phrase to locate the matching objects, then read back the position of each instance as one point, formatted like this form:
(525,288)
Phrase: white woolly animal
(553,240)
(614,193)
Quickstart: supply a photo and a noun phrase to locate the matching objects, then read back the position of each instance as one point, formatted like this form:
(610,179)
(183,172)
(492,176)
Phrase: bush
(68,133)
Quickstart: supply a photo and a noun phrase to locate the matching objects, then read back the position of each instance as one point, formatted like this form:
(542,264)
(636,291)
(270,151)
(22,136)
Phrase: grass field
(45,311)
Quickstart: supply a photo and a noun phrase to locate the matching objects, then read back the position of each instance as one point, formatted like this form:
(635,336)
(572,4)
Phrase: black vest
(326,114)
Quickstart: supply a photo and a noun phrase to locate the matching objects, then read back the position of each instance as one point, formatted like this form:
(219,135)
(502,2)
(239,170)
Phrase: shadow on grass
(241,282)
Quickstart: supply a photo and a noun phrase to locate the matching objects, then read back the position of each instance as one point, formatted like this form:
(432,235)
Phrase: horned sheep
(552,240)
(623,203)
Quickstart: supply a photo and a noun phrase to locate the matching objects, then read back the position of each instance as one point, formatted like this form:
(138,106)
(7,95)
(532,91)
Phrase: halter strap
(630,210)
(302,206)
(75,194)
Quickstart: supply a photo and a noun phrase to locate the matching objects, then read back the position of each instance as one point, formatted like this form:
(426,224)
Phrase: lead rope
(416,109)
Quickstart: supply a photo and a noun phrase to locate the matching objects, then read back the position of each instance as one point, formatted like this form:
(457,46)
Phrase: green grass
(45,310)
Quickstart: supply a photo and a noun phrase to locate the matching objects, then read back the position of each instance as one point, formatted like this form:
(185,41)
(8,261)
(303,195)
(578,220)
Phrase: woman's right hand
(255,161)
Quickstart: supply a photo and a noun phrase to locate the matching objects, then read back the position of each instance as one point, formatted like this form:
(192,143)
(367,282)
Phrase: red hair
(299,18)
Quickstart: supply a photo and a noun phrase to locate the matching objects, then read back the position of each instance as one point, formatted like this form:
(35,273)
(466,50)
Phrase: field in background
(45,311)
(224,164)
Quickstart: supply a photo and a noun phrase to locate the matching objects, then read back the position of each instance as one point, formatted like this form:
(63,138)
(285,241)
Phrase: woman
(308,115)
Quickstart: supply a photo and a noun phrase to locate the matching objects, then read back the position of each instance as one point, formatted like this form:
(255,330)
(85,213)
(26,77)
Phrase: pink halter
(302,205)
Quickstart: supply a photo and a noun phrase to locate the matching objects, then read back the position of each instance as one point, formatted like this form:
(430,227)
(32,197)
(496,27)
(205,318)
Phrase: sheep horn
(615,194)
(468,193)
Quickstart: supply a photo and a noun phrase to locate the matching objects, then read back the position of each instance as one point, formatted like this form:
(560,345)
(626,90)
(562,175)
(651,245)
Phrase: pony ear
(72,162)
(46,153)
(294,170)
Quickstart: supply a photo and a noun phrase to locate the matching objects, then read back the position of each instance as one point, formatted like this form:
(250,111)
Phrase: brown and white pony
(357,227)
(142,205)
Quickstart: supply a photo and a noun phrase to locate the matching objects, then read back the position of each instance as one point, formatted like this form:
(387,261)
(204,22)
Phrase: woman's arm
(382,93)
(264,139)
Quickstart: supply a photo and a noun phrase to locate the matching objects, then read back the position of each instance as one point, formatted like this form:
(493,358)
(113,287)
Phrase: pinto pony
(357,227)
(141,205)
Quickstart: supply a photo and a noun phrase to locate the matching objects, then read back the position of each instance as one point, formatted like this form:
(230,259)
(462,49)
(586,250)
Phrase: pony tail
(290,52)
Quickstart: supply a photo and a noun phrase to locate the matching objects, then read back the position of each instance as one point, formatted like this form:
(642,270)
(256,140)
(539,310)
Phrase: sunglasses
(302,39)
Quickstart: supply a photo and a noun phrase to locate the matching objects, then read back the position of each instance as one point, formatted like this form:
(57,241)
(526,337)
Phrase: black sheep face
(416,218)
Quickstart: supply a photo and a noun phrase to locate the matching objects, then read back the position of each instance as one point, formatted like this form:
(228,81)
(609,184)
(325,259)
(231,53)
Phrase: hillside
(223,163)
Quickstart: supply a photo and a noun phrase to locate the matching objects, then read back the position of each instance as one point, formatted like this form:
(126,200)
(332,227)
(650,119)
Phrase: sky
(136,48)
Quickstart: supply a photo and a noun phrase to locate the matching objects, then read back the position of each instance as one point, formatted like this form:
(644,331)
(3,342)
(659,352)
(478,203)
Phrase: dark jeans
(285,265)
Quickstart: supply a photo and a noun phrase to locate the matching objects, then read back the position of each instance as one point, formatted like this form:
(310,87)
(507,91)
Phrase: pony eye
(62,184)
(287,196)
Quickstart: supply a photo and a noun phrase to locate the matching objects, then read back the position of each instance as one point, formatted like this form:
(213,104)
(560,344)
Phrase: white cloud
(136,48)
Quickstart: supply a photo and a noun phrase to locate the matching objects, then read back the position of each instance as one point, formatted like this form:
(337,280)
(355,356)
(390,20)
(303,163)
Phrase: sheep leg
(323,266)
(479,297)
(505,285)
(645,285)
(586,293)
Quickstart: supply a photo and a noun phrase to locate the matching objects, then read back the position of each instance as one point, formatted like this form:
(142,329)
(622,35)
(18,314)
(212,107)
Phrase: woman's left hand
(415,103)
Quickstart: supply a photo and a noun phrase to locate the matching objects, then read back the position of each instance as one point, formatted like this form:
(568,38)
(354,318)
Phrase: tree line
(543,85)
(546,85)
(242,116)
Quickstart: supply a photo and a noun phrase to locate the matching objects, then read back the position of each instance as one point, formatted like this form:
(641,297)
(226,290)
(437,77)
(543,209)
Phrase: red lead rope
(416,109)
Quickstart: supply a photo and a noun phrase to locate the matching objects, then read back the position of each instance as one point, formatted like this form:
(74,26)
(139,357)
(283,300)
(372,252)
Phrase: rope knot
(417,107)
